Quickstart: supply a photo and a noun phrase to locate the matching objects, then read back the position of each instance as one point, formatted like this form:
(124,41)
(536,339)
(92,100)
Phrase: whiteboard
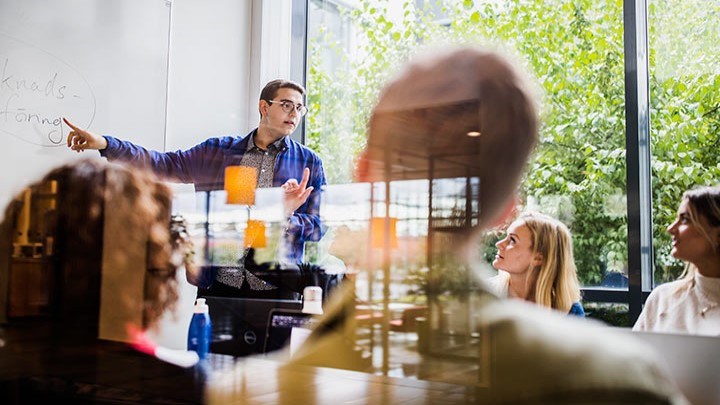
(101,64)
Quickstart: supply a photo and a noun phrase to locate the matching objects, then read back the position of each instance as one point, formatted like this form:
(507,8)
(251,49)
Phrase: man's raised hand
(296,194)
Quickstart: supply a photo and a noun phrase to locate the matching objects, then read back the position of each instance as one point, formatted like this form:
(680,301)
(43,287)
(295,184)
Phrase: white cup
(312,300)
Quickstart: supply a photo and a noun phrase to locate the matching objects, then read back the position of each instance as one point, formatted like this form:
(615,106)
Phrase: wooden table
(255,380)
(43,364)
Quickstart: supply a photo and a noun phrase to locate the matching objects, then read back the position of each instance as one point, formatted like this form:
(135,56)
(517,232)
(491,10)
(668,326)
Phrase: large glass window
(578,174)
(573,48)
(685,112)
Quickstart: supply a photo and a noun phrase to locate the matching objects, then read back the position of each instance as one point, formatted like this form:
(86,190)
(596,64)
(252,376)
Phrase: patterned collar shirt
(262,160)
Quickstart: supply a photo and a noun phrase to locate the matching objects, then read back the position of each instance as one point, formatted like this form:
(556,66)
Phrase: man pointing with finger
(278,159)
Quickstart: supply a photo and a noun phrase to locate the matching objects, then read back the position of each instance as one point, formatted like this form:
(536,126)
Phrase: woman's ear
(537,260)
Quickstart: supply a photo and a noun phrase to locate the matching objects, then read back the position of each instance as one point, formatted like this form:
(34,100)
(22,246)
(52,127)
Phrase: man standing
(279,160)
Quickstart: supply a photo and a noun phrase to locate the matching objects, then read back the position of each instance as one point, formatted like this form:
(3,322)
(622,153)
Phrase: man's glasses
(288,106)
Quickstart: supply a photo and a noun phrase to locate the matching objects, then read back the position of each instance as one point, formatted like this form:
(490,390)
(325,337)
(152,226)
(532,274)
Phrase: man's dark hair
(270,90)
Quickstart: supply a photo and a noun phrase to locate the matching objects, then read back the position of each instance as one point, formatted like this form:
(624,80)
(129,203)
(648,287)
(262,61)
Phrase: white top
(499,284)
(684,306)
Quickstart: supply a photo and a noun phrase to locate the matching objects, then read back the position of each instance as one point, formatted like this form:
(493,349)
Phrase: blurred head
(456,113)
(540,247)
(84,191)
(696,230)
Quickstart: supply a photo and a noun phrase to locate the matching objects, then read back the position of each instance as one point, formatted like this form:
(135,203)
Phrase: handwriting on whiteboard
(37,89)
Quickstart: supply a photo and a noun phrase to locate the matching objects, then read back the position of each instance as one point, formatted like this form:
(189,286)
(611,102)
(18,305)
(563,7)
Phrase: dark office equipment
(280,327)
(239,324)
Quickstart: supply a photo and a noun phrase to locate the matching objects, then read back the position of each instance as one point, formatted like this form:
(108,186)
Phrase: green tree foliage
(575,50)
(685,111)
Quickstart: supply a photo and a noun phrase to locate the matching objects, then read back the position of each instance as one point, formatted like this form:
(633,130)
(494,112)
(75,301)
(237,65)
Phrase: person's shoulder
(669,288)
(226,139)
(674,284)
(577,309)
(298,147)
(224,143)
(583,353)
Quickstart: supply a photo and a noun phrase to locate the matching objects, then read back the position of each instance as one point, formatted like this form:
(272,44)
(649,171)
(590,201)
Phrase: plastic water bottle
(200,331)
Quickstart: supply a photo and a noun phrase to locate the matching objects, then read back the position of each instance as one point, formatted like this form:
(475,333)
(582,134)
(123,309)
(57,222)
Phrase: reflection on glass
(577,175)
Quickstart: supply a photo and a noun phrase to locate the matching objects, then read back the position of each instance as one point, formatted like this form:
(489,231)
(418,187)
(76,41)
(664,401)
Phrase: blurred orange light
(255,234)
(240,184)
(378,232)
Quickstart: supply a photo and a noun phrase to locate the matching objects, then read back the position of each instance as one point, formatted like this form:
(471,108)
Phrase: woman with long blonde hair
(692,303)
(535,263)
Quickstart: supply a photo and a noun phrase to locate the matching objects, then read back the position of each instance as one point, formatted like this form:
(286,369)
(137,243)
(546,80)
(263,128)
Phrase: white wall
(209,70)
(270,38)
(222,52)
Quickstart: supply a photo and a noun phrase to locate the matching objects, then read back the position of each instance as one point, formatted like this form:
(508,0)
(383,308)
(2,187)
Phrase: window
(593,167)
(578,174)
(685,112)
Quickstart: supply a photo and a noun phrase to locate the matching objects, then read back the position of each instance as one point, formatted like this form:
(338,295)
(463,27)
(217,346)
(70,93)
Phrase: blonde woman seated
(691,304)
(535,263)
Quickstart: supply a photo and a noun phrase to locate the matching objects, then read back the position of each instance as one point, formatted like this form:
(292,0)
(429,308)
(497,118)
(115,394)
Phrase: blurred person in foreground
(112,275)
(470,113)
(690,304)
(535,263)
